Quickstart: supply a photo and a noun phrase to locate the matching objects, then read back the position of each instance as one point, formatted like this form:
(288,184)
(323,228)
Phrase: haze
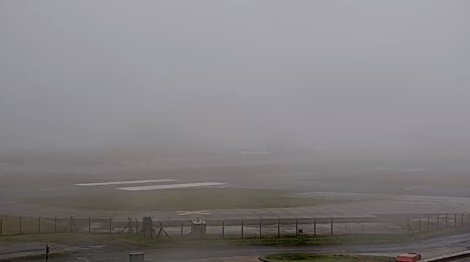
(315,75)
(268,116)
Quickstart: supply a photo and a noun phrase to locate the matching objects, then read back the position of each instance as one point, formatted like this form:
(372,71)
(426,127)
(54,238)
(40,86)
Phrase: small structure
(408,257)
(136,257)
(198,228)
(147,227)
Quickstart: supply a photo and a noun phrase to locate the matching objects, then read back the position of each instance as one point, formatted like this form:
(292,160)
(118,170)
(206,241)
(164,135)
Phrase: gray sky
(231,74)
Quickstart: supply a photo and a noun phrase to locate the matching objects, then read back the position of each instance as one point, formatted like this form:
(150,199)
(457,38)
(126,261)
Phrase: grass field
(37,181)
(135,240)
(324,258)
(183,199)
(56,238)
(35,257)
(30,225)
(268,241)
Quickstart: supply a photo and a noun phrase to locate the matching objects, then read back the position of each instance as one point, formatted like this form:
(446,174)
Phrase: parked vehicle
(409,257)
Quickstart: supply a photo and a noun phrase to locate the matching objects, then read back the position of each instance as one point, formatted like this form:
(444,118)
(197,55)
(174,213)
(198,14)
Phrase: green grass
(35,257)
(290,257)
(267,241)
(330,240)
(183,199)
(31,181)
(30,225)
(308,257)
(53,238)
(132,239)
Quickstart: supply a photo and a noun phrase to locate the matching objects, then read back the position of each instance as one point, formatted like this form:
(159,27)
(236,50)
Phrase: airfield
(235,187)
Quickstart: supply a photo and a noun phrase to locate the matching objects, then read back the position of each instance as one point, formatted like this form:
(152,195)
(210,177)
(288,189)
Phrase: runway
(363,208)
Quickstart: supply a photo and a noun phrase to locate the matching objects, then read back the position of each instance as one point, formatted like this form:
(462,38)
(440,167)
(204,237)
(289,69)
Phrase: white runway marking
(125,182)
(407,189)
(62,188)
(140,188)
(201,212)
(413,170)
(410,188)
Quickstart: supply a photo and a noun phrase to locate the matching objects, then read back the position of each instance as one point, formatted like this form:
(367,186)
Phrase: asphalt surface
(428,248)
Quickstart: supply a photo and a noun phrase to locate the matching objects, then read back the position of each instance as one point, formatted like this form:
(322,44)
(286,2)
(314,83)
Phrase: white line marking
(413,170)
(62,188)
(407,189)
(139,188)
(125,182)
(201,212)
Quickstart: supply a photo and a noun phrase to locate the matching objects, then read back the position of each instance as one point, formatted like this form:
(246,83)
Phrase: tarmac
(362,206)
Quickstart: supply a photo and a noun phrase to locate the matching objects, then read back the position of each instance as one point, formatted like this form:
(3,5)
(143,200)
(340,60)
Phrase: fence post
(20,225)
(346,228)
(446,220)
(279,228)
(315,228)
(223,229)
(419,225)
(363,228)
(71,224)
(462,218)
(428,225)
(182,230)
(261,221)
(438,221)
(1,227)
(39,225)
(136,226)
(110,224)
(55,224)
(331,227)
(297,228)
(242,229)
(89,224)
(455,220)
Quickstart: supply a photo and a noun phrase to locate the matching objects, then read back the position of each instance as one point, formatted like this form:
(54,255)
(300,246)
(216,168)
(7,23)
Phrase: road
(428,248)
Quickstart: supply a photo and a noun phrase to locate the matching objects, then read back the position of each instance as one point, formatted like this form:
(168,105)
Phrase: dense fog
(231,75)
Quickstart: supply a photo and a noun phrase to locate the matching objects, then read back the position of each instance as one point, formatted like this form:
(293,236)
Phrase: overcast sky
(234,74)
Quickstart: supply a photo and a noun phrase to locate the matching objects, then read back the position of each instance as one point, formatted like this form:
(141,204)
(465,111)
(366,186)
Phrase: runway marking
(413,170)
(62,188)
(140,188)
(201,212)
(410,188)
(407,189)
(125,182)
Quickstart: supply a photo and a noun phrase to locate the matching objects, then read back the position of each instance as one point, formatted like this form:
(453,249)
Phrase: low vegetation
(36,181)
(30,225)
(130,239)
(54,238)
(290,257)
(34,257)
(268,241)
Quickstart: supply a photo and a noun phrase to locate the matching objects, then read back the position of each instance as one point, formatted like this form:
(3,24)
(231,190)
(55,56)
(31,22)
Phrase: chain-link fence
(438,222)
(233,228)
